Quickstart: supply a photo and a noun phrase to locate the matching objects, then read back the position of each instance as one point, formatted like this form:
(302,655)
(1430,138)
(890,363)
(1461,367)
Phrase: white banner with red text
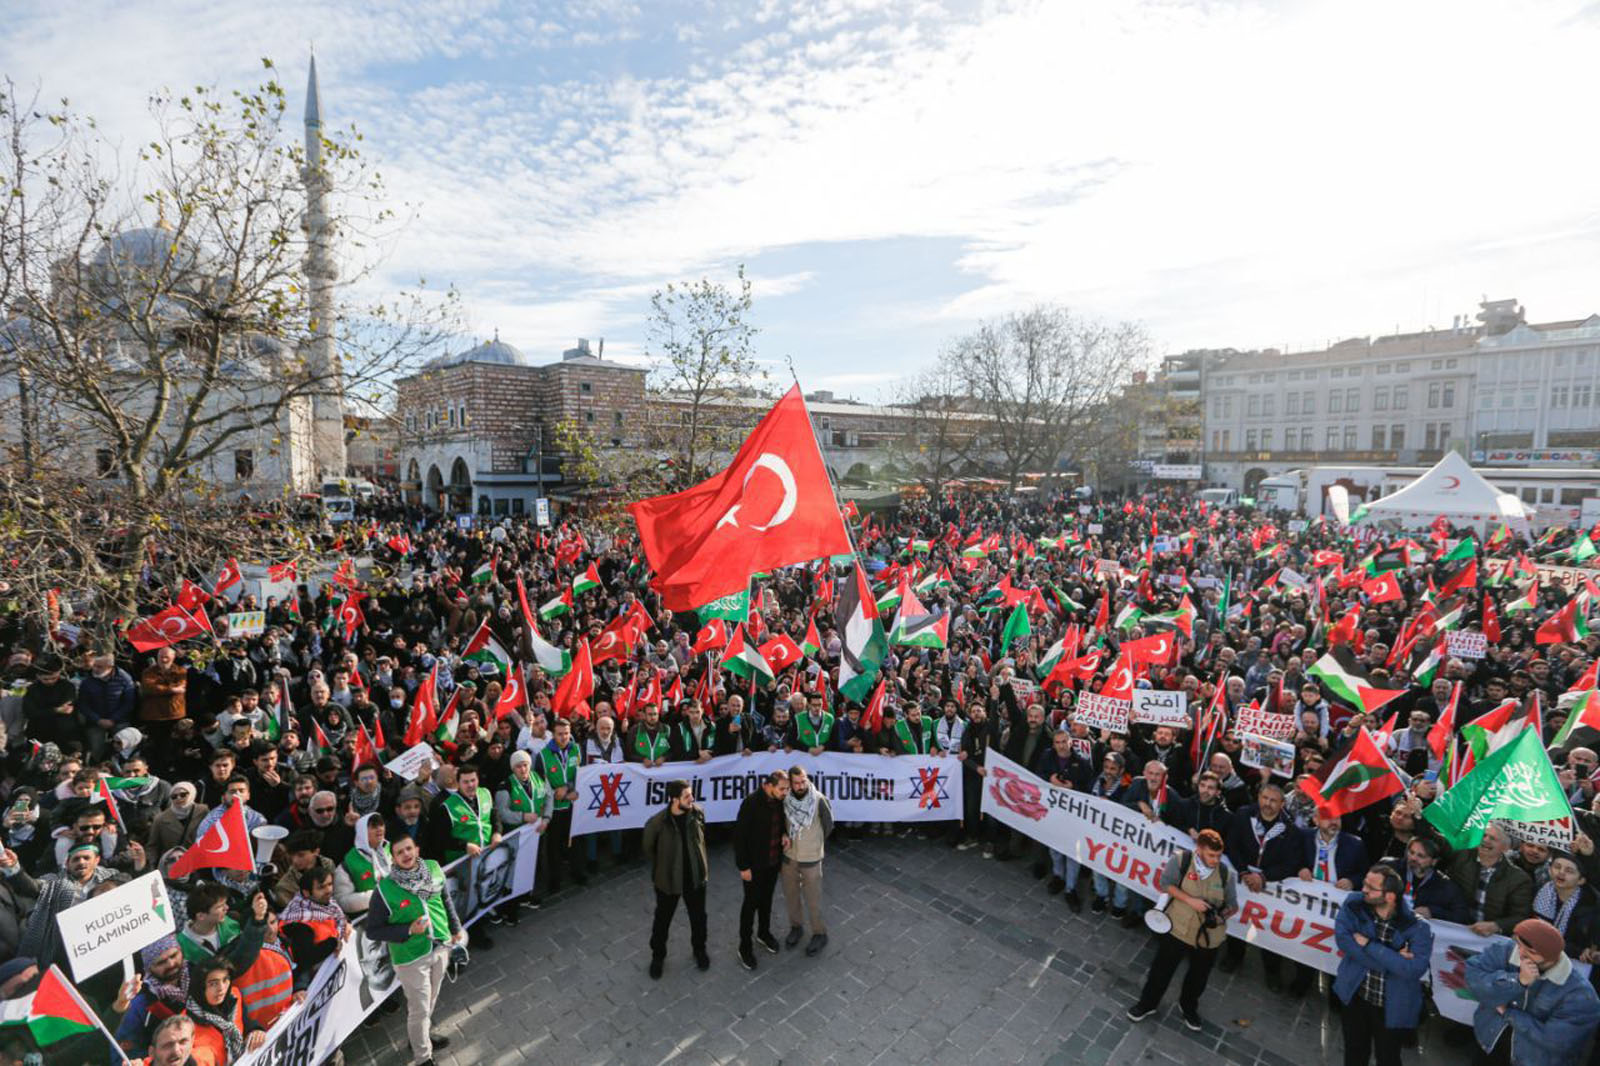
(1292,918)
(861,788)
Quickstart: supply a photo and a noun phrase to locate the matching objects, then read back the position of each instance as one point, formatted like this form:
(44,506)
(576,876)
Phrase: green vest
(529,800)
(467,825)
(406,907)
(359,867)
(708,733)
(651,747)
(902,730)
(813,738)
(559,772)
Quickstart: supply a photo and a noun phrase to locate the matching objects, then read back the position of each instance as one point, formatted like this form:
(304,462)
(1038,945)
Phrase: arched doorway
(460,487)
(1252,479)
(433,495)
(413,482)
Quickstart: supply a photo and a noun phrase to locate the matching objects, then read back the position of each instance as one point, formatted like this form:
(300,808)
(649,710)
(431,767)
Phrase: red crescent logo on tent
(1453,482)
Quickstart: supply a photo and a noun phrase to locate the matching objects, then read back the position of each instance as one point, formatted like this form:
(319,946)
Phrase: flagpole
(88,1010)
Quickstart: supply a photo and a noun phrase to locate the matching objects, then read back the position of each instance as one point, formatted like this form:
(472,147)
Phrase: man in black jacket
(758,843)
(675,847)
(1263,846)
(982,733)
(1206,809)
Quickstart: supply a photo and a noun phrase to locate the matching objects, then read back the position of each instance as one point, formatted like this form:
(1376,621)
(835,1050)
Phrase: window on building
(1291,404)
(616,419)
(616,442)
(1444,435)
(1547,494)
(1530,495)
(1227,407)
(1336,372)
(1349,438)
(1558,396)
(1268,403)
(1574,497)
(461,415)
(1485,400)
(1581,395)
(1352,400)
(1397,436)
(1266,440)
(1227,440)
(244,464)
(105,463)
(1436,364)
(1402,394)
(1249,440)
(1216,440)
(1333,438)
(1451,364)
(1449,399)
(1430,436)
(588,416)
(1383,368)
(585,387)
(1335,402)
(1530,399)
(1507,400)
(1308,403)
(1253,379)
(1380,399)
(502,507)
(450,416)
(517,505)
(1379,438)
(1355,371)
(1216,407)
(1433,395)
(1253,408)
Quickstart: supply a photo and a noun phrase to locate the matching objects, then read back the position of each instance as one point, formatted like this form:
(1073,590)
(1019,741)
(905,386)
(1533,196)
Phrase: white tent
(1456,491)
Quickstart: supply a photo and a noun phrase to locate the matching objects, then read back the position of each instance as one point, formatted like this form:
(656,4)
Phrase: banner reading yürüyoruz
(1293,918)
(862,788)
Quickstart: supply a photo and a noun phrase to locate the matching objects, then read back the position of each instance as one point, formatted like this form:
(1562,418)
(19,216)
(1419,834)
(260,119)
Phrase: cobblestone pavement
(934,956)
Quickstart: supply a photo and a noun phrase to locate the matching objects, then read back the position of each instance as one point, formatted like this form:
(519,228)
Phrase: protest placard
(1465,644)
(1096,529)
(1264,723)
(1160,706)
(1263,753)
(1102,712)
(1108,566)
(246,623)
(112,926)
(1297,525)
(406,765)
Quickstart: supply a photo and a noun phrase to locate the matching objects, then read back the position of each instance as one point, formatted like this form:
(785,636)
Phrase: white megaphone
(267,837)
(1156,917)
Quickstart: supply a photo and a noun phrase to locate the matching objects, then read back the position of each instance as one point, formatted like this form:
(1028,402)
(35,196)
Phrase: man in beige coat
(809,817)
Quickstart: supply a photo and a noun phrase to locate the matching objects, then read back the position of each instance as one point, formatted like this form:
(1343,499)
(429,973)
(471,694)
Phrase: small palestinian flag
(589,579)
(1526,602)
(1584,714)
(51,1013)
(914,626)
(445,731)
(483,574)
(1347,682)
(1499,538)
(744,660)
(1568,625)
(812,643)
(1127,617)
(1396,558)
(557,606)
(486,651)
(863,643)
(1428,666)
(1357,777)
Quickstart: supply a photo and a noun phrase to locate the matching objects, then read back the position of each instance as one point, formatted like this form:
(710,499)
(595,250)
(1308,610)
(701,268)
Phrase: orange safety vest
(210,1049)
(321,928)
(267,987)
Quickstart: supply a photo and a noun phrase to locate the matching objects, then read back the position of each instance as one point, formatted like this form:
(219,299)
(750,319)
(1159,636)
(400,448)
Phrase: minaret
(322,352)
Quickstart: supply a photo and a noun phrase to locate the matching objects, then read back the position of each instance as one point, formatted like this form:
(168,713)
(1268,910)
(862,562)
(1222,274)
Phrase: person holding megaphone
(1199,895)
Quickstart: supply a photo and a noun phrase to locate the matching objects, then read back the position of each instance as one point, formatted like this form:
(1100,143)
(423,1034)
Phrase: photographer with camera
(1202,895)
(412,911)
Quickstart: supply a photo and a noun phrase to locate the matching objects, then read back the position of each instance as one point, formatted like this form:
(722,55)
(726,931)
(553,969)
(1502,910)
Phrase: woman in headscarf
(364,865)
(222,1033)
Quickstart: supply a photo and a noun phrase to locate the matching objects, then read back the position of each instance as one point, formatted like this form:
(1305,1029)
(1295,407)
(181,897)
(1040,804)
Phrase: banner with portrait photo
(1292,918)
(861,788)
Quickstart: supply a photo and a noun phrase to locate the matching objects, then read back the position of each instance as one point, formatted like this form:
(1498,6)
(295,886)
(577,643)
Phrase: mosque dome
(494,351)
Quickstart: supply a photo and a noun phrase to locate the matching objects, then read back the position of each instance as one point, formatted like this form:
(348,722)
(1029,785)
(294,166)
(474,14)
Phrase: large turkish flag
(772,507)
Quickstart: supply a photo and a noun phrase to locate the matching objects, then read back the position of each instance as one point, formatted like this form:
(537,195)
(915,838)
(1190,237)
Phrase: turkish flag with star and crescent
(225,846)
(168,627)
(772,507)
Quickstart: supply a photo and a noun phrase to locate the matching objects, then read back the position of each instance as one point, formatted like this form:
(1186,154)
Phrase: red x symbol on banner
(609,807)
(930,788)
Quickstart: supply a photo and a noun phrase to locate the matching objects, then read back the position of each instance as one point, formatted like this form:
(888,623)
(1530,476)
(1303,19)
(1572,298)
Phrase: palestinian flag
(1466,548)
(1516,783)
(893,596)
(1584,714)
(1347,683)
(1396,558)
(1223,609)
(1583,548)
(1064,603)
(1127,617)
(1568,625)
(914,626)
(556,607)
(1499,538)
(589,579)
(486,651)
(864,644)
(484,573)
(1493,730)
(551,659)
(1182,619)
(1357,777)
(1526,602)
(1463,577)
(921,546)
(51,1013)
(744,660)
(444,731)
(734,607)
(1427,667)
(811,644)
(1057,651)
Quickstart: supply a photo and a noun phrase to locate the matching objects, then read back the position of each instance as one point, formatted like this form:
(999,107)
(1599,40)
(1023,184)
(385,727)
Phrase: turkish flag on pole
(226,846)
(772,507)
(424,717)
(514,696)
(1156,649)
(577,686)
(168,627)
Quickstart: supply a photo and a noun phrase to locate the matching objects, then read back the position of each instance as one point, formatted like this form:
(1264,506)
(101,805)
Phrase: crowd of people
(118,760)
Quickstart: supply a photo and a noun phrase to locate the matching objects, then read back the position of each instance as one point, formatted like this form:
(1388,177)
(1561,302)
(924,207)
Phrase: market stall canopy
(1456,491)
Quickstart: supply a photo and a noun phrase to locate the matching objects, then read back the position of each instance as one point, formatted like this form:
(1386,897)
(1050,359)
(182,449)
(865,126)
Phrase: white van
(338,509)
(1221,499)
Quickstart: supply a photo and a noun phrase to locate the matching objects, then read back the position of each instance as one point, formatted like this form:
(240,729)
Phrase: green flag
(1517,783)
(1466,549)
(1016,627)
(734,607)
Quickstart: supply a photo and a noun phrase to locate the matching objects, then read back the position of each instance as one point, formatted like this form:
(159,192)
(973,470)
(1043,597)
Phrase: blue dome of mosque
(491,351)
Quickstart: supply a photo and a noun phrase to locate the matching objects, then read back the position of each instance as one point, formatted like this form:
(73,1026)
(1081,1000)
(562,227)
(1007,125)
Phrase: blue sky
(892,171)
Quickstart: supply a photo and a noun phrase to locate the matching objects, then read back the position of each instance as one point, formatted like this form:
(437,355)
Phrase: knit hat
(521,758)
(151,952)
(1541,936)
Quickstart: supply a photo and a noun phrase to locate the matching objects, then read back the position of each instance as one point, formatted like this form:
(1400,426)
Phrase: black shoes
(703,961)
(1139,1012)
(1118,912)
(440,1043)
(768,941)
(1191,1018)
(1099,905)
(1054,885)
(747,958)
(1130,920)
(818,942)
(655,969)
(794,936)
(1074,901)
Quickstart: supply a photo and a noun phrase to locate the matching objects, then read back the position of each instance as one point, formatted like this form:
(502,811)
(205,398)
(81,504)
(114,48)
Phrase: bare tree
(1043,377)
(167,349)
(701,337)
(943,427)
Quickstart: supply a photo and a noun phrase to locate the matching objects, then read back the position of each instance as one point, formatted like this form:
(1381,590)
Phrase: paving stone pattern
(934,956)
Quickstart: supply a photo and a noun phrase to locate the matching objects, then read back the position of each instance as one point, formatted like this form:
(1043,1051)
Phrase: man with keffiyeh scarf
(809,817)
(412,911)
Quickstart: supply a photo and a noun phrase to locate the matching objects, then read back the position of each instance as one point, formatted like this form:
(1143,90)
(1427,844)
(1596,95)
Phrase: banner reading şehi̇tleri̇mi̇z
(1291,918)
(861,788)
